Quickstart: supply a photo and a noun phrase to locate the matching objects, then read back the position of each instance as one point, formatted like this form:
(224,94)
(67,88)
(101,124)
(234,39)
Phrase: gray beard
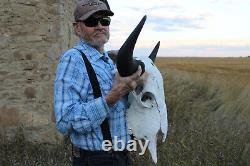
(99,45)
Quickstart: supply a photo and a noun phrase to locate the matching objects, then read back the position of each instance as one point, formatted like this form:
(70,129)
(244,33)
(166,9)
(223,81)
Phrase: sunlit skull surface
(147,113)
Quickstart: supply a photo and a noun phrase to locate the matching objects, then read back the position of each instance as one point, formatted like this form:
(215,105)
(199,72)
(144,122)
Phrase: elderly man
(92,111)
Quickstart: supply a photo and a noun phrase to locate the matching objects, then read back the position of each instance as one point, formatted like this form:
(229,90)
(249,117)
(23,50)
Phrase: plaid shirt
(77,112)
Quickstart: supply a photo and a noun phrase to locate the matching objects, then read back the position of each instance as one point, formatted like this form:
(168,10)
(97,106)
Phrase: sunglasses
(93,21)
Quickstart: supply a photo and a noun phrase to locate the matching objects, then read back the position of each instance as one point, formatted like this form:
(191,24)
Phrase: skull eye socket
(146,96)
(139,89)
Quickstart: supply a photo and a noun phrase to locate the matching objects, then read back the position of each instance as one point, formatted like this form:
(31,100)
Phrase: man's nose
(99,25)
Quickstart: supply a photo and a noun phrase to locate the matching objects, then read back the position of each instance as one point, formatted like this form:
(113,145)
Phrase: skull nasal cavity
(146,96)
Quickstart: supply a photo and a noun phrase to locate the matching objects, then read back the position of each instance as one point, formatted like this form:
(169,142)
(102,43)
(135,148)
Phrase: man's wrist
(110,100)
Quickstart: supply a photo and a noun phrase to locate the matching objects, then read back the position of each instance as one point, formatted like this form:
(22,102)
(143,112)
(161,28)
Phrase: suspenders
(97,93)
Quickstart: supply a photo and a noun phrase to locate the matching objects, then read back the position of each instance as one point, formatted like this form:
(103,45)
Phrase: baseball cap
(85,8)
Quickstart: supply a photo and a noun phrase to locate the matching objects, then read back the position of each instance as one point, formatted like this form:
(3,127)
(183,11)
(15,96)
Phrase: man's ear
(77,27)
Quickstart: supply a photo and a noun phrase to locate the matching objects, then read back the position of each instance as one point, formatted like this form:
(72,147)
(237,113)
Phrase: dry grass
(209,112)
(19,152)
(232,69)
(208,109)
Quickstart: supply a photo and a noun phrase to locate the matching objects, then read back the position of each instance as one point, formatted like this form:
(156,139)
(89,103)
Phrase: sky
(185,28)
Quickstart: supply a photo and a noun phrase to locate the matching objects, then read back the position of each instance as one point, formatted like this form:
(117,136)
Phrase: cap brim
(105,12)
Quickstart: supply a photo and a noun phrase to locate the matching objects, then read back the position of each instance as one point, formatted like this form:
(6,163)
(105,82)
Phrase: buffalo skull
(147,113)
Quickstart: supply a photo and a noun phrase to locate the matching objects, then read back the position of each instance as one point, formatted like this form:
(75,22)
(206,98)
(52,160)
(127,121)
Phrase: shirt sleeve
(70,88)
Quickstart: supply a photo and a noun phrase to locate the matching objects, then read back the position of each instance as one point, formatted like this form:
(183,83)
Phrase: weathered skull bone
(147,114)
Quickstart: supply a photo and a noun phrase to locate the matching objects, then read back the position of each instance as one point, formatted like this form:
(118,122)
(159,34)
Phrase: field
(209,111)
(209,118)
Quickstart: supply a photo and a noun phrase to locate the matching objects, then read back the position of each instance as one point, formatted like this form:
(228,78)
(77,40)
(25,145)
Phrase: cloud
(206,51)
(154,8)
(208,47)
(196,50)
(229,1)
(176,23)
(185,28)
(136,9)
(164,7)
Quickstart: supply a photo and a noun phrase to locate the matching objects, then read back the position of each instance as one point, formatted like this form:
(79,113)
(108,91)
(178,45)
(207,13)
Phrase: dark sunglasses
(93,21)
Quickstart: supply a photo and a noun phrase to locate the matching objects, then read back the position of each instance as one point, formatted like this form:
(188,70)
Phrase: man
(78,113)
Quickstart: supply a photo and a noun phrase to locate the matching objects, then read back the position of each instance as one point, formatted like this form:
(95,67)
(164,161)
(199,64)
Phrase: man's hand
(122,85)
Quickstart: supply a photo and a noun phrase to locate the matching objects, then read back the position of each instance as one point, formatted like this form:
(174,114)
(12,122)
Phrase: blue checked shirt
(77,112)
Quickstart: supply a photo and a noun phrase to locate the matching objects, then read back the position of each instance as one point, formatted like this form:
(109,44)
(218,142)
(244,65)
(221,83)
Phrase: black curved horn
(125,63)
(153,54)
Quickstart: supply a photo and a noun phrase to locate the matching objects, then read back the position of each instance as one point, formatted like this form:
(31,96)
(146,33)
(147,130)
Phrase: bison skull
(147,113)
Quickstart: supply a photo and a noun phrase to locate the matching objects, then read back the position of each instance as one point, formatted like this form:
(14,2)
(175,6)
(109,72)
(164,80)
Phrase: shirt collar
(90,51)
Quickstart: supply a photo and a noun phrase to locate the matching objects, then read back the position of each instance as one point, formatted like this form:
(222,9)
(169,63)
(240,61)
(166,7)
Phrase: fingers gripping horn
(126,65)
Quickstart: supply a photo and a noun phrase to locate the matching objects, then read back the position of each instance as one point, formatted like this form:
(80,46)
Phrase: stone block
(9,116)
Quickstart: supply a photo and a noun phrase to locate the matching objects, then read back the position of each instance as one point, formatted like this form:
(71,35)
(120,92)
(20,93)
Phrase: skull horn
(125,63)
(153,54)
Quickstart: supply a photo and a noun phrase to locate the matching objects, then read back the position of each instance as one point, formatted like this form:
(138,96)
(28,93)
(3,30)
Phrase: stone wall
(33,34)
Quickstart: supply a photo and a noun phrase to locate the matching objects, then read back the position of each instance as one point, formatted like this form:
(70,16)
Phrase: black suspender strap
(97,93)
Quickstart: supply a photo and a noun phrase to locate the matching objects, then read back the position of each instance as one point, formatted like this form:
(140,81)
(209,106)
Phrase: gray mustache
(100,31)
